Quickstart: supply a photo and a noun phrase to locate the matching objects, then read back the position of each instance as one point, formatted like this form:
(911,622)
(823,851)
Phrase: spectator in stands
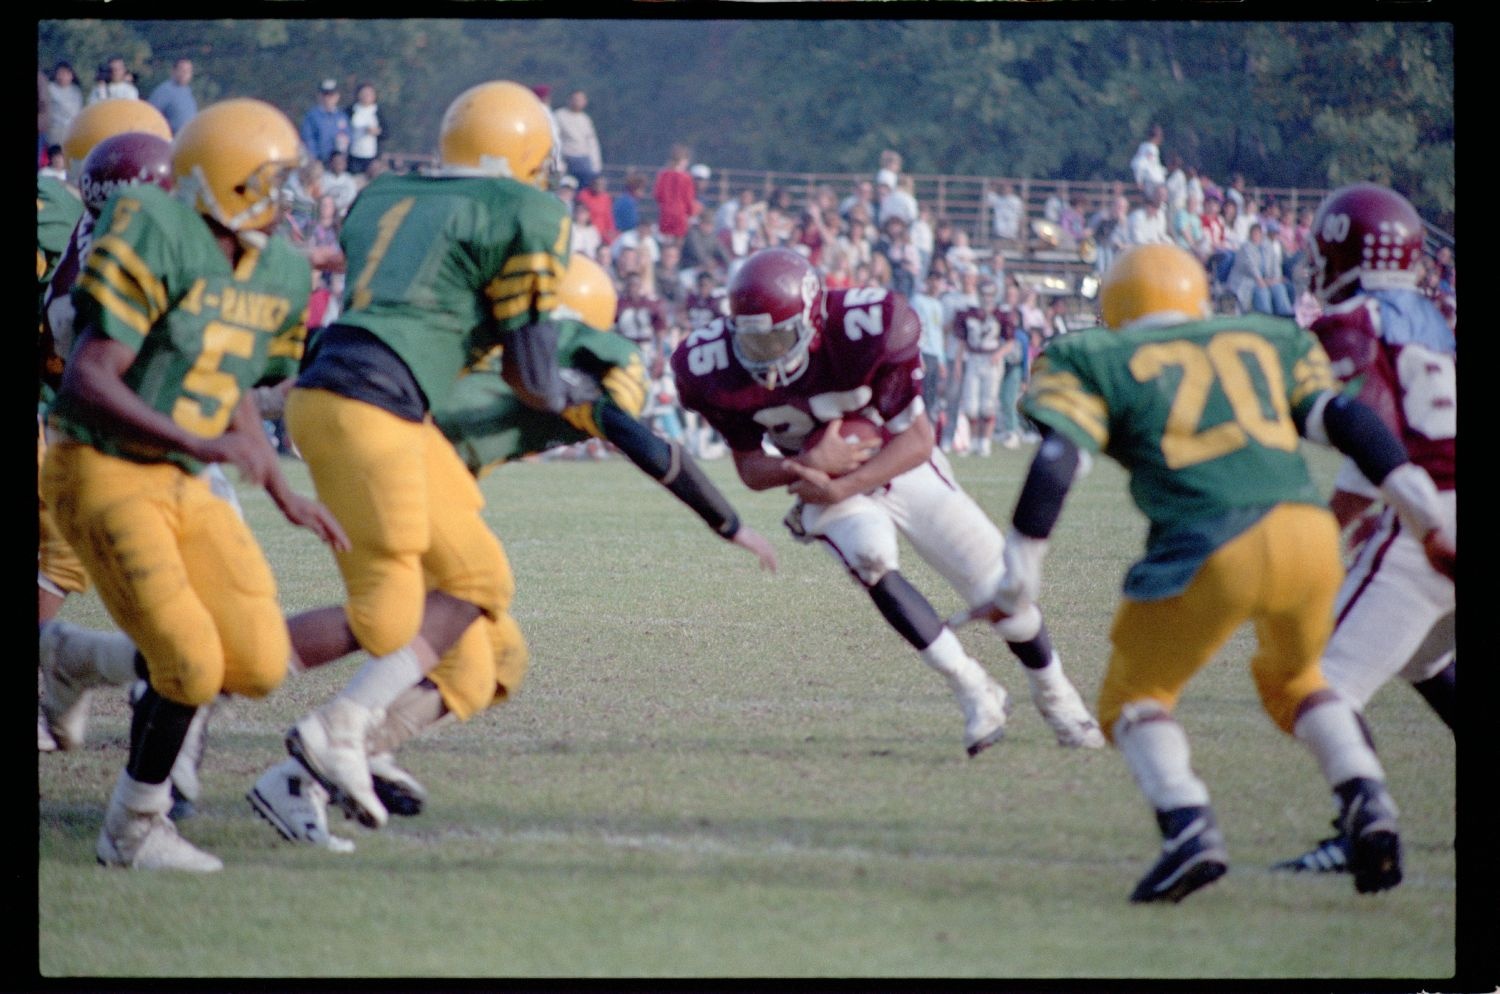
(628,203)
(905,261)
(1057,320)
(706,301)
(1006,212)
(114,81)
(325,126)
(961,257)
(601,204)
(932,345)
(676,194)
(641,316)
(1072,222)
(1187,226)
(1256,280)
(339,183)
(663,410)
(567,191)
(701,248)
(1111,234)
(586,237)
(896,198)
(365,129)
(173,96)
(668,283)
(924,238)
(1216,239)
(64,101)
(1234,193)
(780,218)
(577,139)
(57,164)
(1176,183)
(815,232)
(1235,229)
(956,300)
(863,193)
(1146,165)
(1148,222)
(724,214)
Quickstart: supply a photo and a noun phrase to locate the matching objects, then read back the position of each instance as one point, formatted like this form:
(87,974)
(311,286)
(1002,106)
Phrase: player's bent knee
(465,675)
(1283,699)
(1022,626)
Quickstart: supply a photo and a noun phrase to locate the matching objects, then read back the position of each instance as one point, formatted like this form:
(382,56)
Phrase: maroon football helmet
(124,160)
(776,306)
(1364,236)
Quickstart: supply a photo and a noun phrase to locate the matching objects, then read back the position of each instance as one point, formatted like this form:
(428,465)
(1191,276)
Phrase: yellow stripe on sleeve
(113,255)
(130,311)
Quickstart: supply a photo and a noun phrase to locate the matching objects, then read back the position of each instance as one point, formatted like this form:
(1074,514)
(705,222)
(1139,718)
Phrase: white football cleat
(296,805)
(330,743)
(984,716)
(1063,709)
(65,694)
(142,837)
(44,740)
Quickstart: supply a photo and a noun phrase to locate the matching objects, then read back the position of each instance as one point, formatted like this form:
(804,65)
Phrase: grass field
(714,772)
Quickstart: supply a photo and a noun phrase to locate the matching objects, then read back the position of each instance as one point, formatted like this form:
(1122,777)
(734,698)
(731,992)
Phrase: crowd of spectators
(671,248)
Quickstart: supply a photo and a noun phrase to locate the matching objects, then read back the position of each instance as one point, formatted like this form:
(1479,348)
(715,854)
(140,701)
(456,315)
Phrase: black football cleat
(1367,824)
(1192,856)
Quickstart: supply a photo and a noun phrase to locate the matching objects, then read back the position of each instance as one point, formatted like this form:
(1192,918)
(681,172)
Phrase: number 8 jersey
(1201,415)
(200,340)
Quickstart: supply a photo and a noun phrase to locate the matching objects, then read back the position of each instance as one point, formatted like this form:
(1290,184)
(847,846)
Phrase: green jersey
(58,209)
(488,424)
(203,331)
(1200,414)
(442,268)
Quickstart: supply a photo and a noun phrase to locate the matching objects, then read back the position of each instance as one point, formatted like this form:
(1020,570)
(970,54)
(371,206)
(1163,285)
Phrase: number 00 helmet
(499,128)
(1153,284)
(1367,235)
(232,158)
(107,118)
(587,290)
(776,306)
(124,160)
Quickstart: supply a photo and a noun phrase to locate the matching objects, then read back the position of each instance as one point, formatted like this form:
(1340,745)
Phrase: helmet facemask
(772,353)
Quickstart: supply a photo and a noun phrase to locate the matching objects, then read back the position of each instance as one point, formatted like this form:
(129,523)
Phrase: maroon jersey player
(791,357)
(1396,610)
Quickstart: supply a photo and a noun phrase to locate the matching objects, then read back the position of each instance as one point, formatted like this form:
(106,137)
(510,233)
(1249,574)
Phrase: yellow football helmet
(106,119)
(1160,283)
(587,290)
(231,160)
(499,129)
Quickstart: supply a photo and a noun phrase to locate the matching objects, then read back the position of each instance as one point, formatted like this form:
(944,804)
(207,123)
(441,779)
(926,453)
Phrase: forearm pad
(1357,431)
(529,365)
(666,463)
(1052,472)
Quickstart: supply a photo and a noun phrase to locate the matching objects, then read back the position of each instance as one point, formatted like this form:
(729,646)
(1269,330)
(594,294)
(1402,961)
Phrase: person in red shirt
(676,194)
(601,205)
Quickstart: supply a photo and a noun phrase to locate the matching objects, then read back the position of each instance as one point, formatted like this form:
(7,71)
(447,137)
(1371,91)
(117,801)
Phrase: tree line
(1286,103)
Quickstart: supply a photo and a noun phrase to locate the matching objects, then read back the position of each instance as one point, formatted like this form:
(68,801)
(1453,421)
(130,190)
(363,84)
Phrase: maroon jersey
(1397,352)
(641,319)
(864,359)
(984,331)
(701,310)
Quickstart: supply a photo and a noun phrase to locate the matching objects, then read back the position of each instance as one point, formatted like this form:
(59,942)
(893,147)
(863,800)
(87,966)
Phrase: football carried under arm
(905,450)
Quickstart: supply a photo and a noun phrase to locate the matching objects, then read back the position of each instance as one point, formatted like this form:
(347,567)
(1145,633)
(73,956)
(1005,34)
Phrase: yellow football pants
(55,558)
(484,667)
(1282,574)
(177,569)
(411,509)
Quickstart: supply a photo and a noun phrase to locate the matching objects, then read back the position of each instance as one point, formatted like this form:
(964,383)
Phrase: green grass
(715,772)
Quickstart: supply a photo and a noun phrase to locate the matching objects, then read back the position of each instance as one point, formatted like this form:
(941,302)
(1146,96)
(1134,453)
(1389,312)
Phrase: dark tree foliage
(1287,103)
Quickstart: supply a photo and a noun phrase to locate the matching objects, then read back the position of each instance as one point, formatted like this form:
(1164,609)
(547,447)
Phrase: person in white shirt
(364,129)
(1148,223)
(1146,164)
(339,183)
(114,81)
(1006,211)
(577,140)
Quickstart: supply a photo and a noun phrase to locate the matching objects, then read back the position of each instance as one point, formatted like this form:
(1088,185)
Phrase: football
(854,428)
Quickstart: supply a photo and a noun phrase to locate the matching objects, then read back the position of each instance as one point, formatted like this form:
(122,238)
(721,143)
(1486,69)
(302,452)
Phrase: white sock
(382,679)
(1157,752)
(1331,731)
(946,655)
(142,798)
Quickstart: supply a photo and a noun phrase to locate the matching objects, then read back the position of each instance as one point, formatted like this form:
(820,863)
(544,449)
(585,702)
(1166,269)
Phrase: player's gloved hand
(753,541)
(1022,583)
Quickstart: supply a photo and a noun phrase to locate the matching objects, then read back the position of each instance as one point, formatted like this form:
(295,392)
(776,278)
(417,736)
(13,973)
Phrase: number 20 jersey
(1201,414)
(865,358)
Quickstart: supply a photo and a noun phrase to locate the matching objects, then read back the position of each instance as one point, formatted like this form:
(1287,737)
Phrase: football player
(182,305)
(490,426)
(1205,415)
(987,336)
(1392,349)
(65,221)
(791,357)
(440,270)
